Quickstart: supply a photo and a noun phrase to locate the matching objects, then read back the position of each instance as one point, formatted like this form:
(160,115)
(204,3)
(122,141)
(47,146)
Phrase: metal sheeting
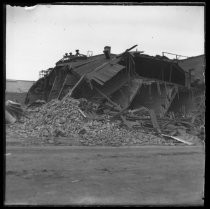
(113,84)
(106,73)
(125,95)
(98,69)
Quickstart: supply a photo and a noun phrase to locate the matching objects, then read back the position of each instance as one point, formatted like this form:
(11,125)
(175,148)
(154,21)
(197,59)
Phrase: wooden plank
(113,103)
(121,112)
(76,85)
(52,89)
(170,97)
(83,114)
(154,120)
(62,87)
(127,50)
(152,117)
(118,107)
(138,86)
(178,139)
(139,109)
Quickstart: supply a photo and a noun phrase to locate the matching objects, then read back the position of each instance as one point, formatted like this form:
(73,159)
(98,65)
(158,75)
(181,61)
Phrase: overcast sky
(36,38)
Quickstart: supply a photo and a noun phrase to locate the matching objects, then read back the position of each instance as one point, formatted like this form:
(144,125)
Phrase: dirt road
(65,175)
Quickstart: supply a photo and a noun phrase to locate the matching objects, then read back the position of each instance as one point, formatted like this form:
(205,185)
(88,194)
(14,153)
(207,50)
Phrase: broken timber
(152,117)
(154,120)
(77,84)
(178,139)
(113,103)
(117,106)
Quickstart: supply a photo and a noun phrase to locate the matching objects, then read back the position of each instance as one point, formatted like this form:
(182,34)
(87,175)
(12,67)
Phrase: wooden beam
(178,139)
(76,85)
(154,120)
(52,88)
(152,117)
(117,106)
(62,87)
(83,114)
(105,96)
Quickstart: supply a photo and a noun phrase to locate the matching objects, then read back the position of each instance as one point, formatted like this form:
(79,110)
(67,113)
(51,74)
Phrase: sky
(37,37)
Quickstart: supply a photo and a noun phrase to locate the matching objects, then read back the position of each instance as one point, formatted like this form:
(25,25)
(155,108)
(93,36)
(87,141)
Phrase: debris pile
(74,118)
(52,119)
(64,119)
(130,98)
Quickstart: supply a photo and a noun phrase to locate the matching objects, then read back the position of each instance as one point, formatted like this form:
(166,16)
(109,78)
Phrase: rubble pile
(56,118)
(183,129)
(100,133)
(190,125)
(65,119)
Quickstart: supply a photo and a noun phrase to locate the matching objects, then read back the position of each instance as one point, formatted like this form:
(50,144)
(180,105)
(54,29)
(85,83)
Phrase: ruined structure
(126,81)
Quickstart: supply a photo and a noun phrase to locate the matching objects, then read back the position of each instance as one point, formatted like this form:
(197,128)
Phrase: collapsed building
(130,80)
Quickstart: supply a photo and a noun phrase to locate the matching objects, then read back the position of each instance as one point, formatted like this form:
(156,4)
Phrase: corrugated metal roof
(105,73)
(99,68)
(114,83)
(125,95)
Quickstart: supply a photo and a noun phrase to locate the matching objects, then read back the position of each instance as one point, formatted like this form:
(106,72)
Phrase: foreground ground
(61,175)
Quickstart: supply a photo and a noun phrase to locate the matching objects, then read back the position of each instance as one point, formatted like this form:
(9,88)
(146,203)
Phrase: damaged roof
(80,66)
(89,65)
(97,68)
(105,71)
(100,69)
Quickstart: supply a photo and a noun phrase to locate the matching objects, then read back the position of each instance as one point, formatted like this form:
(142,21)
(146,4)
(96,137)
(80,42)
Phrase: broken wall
(125,95)
(186,101)
(154,96)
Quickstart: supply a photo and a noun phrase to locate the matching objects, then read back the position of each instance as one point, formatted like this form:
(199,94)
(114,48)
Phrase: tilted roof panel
(107,72)
(89,65)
